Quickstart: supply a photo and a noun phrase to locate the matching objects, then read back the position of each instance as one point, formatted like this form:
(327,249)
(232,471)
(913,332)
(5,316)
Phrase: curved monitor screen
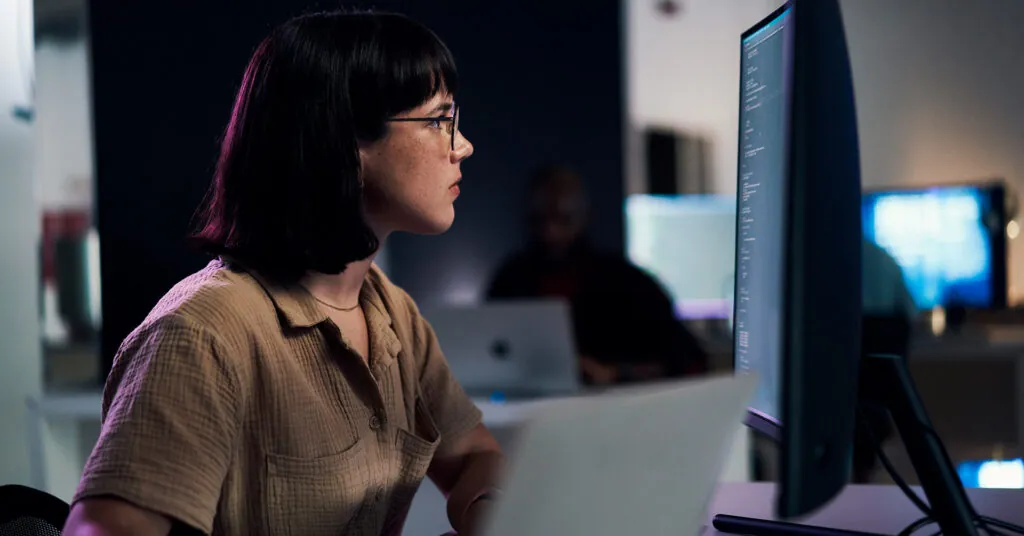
(760,219)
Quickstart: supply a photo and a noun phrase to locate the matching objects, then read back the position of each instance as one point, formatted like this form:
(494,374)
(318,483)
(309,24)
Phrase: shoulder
(199,339)
(218,301)
(876,260)
(617,272)
(517,264)
(617,267)
(517,259)
(513,277)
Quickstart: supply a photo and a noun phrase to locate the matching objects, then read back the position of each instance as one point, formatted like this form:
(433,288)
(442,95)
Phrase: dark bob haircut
(286,196)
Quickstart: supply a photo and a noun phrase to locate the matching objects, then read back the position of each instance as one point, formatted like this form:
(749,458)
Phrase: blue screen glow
(940,239)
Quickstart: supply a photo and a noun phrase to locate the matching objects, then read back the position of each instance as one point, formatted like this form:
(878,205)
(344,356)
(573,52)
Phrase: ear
(365,161)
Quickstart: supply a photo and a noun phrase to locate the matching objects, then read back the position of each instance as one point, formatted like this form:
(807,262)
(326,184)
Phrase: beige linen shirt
(238,408)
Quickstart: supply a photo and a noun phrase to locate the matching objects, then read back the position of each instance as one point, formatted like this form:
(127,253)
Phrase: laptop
(642,461)
(517,349)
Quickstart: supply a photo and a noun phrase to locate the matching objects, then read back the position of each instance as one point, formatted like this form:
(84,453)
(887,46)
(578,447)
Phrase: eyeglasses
(452,120)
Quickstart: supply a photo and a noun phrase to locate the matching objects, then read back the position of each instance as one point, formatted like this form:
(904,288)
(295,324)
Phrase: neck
(342,289)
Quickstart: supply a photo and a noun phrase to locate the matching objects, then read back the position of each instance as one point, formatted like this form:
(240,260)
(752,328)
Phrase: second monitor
(949,241)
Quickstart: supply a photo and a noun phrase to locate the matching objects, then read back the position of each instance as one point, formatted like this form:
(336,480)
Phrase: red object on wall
(62,223)
(669,7)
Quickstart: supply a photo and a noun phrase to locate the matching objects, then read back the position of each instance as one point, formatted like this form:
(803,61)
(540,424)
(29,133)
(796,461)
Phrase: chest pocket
(314,496)
(414,449)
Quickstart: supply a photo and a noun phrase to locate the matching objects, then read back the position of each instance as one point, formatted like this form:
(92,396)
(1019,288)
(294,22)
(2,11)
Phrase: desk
(888,510)
(868,508)
(77,408)
(83,407)
(972,383)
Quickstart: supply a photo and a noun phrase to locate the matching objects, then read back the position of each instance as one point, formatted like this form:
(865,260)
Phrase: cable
(916,526)
(983,522)
(900,482)
(990,530)
(1010,527)
(891,469)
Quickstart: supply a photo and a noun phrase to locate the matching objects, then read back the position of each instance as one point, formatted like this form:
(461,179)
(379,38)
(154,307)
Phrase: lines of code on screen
(760,255)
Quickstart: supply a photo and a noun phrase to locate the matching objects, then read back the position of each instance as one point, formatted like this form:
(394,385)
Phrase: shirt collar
(294,304)
(298,309)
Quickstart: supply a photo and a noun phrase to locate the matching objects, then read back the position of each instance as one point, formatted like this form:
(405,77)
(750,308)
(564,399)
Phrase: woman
(289,387)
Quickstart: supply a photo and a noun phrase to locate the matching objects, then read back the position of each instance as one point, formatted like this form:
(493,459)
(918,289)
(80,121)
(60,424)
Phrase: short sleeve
(452,410)
(171,417)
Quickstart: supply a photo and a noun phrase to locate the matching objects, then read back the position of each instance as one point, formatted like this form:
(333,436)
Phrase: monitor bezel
(762,24)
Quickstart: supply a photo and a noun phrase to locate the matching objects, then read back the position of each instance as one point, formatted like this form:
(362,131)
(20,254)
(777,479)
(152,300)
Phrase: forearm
(112,517)
(643,371)
(479,474)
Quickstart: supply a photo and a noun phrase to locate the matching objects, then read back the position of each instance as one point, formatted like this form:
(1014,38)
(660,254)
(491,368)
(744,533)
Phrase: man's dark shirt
(621,315)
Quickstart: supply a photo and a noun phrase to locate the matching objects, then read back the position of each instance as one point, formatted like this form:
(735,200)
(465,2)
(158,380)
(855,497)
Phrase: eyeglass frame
(453,119)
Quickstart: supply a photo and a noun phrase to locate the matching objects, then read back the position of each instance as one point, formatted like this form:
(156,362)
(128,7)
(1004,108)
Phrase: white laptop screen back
(522,346)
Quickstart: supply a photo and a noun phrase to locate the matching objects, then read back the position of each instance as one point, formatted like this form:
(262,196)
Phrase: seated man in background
(624,323)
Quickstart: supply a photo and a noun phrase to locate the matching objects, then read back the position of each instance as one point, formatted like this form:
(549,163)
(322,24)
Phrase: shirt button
(375,422)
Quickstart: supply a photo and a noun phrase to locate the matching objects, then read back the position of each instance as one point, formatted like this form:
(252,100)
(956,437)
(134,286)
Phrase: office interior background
(110,114)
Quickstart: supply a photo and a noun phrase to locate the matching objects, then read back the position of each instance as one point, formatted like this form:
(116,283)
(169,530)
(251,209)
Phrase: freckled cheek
(421,174)
(426,174)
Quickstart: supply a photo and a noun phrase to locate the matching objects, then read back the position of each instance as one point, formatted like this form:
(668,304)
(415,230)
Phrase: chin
(435,224)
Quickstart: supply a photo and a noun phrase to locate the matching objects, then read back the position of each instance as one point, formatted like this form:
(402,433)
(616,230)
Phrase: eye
(435,123)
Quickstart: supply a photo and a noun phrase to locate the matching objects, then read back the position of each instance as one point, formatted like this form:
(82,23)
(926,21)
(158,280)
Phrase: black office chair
(26,511)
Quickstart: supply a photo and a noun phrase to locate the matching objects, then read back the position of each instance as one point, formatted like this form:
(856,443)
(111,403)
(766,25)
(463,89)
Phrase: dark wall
(541,81)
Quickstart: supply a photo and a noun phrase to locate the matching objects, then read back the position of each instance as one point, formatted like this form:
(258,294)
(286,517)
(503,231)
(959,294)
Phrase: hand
(472,520)
(598,373)
(647,372)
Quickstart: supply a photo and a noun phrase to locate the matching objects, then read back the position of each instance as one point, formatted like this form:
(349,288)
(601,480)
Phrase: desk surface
(868,508)
(87,405)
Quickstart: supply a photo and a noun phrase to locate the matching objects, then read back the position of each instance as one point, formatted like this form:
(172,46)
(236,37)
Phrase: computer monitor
(949,241)
(688,243)
(798,242)
(798,294)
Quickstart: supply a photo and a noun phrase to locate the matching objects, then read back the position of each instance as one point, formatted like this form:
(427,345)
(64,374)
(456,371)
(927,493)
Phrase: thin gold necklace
(335,307)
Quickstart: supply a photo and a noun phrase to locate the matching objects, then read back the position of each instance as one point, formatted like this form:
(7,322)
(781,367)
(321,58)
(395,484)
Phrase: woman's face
(411,175)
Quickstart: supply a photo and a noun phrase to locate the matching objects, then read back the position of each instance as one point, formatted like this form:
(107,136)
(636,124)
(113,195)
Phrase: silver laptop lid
(509,348)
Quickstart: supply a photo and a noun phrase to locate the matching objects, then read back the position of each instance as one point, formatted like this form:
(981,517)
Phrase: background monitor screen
(687,242)
(945,242)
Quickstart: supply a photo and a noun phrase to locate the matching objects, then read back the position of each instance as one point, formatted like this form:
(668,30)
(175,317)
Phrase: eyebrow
(442,108)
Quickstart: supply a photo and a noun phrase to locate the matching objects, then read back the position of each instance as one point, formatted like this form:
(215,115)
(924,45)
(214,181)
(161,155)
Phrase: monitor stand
(950,507)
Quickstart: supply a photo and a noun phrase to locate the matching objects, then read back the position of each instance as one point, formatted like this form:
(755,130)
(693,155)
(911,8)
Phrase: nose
(463,148)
